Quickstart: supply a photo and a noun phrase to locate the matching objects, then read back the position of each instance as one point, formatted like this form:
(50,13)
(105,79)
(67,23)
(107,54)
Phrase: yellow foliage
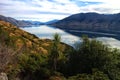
(29,43)
(45,44)
(19,43)
(33,51)
(44,51)
(35,40)
(11,34)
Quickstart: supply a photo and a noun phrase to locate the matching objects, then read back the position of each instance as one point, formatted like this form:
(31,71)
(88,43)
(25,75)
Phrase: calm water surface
(48,32)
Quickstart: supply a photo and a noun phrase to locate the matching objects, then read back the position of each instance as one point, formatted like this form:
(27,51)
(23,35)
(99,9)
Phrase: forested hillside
(23,56)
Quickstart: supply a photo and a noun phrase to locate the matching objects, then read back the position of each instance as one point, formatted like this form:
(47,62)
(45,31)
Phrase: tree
(89,54)
(55,51)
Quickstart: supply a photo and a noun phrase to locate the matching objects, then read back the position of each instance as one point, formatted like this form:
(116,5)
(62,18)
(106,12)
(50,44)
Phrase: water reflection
(112,42)
(47,32)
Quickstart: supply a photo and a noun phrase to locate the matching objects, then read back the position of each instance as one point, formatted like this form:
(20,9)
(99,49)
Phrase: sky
(46,10)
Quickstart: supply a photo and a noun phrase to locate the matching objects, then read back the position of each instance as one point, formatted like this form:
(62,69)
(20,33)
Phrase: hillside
(23,56)
(17,38)
(15,42)
(90,21)
(19,23)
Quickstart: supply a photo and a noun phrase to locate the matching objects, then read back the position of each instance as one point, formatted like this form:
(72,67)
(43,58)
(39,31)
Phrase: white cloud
(41,8)
(112,5)
(22,9)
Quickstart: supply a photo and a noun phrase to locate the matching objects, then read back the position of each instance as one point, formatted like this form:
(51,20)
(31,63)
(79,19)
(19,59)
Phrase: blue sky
(45,10)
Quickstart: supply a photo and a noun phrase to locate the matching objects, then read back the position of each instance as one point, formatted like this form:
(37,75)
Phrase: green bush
(33,65)
(88,55)
(96,75)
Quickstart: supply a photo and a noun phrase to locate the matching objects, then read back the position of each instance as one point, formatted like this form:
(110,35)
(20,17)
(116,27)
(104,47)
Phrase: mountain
(33,22)
(90,22)
(51,22)
(19,23)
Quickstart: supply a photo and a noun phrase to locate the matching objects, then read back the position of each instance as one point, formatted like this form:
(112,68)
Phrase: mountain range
(19,23)
(80,21)
(90,22)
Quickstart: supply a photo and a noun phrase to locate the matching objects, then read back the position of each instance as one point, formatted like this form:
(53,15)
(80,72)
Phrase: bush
(90,54)
(96,75)
(33,66)
(6,56)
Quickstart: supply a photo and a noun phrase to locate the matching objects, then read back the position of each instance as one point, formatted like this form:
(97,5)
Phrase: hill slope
(21,50)
(90,21)
(16,38)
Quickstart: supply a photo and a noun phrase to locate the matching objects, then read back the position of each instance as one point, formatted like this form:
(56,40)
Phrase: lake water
(44,31)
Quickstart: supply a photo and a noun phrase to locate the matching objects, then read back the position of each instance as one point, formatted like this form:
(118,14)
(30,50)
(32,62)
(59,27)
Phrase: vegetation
(25,57)
(55,52)
(5,57)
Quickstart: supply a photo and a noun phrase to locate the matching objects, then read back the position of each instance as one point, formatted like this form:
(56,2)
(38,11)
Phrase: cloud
(38,8)
(55,9)
(102,6)
(85,3)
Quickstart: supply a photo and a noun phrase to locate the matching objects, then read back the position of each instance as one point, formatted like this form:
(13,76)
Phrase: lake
(45,31)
